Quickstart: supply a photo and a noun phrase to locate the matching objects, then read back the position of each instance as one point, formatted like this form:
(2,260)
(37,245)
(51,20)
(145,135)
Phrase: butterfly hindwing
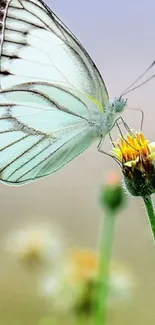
(37,137)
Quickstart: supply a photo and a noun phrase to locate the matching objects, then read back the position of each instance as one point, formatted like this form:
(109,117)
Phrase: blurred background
(61,213)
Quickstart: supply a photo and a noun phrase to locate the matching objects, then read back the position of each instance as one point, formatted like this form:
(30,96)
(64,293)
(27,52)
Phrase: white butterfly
(53,101)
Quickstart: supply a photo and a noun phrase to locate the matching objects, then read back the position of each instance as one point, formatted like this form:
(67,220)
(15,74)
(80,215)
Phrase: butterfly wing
(52,95)
(37,46)
(38,135)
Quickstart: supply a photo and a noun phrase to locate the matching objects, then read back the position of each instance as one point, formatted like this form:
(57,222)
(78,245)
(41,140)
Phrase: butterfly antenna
(138,86)
(130,88)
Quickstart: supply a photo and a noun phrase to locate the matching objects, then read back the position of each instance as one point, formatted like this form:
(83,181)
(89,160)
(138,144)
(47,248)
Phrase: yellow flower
(83,263)
(137,157)
(133,149)
(84,269)
(73,287)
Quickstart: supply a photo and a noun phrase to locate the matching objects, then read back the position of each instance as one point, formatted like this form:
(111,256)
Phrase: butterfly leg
(106,153)
(100,143)
(142,116)
(120,118)
(111,140)
(128,130)
(109,155)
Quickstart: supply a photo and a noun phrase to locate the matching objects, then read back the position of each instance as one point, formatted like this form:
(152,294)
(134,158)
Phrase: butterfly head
(119,104)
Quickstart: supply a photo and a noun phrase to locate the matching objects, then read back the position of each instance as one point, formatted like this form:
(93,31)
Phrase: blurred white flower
(60,294)
(36,245)
(73,287)
(121,284)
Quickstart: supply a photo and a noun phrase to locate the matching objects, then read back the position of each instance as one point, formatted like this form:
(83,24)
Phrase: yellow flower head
(73,286)
(134,148)
(137,157)
(84,264)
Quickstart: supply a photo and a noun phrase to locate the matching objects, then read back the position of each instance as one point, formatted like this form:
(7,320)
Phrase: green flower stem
(150,212)
(107,236)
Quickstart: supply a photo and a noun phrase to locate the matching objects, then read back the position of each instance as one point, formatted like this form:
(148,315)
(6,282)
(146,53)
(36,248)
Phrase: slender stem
(103,278)
(150,212)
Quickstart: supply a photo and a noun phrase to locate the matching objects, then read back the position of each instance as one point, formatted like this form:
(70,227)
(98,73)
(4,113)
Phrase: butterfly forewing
(36,45)
(52,95)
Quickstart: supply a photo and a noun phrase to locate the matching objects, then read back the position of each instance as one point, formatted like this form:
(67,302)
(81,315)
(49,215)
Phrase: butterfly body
(53,100)
(112,112)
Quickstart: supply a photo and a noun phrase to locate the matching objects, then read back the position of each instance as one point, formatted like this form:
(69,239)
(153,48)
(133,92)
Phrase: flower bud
(112,197)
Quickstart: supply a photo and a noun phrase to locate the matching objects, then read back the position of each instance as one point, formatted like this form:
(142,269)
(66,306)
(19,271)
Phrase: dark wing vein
(21,155)
(15,142)
(49,156)
(49,100)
